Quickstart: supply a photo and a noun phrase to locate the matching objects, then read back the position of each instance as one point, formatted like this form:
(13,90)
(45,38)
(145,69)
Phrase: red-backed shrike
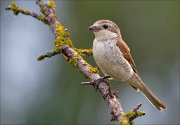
(113,57)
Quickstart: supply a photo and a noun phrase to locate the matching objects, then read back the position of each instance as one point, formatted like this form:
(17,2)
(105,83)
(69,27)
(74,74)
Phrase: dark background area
(49,92)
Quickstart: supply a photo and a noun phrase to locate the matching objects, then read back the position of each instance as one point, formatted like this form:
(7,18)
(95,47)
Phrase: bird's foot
(96,82)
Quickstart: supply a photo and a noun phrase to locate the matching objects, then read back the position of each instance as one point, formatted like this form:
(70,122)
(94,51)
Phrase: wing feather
(127,55)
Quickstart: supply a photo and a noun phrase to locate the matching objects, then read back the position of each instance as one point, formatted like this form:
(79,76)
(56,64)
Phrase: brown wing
(127,55)
(126,52)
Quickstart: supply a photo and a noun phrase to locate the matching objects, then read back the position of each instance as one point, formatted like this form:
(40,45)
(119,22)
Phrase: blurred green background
(49,92)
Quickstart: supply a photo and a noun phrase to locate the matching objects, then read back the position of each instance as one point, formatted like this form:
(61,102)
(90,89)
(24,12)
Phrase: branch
(16,10)
(48,54)
(64,45)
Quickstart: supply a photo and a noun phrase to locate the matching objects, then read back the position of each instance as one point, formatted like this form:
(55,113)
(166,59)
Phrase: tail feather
(138,83)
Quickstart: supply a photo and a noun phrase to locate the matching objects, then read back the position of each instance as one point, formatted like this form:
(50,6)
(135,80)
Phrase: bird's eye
(105,26)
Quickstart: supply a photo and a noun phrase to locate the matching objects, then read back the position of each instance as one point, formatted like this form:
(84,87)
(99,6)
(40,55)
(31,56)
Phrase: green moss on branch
(130,116)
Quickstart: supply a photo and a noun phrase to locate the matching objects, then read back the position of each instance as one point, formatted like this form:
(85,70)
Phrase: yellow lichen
(41,17)
(62,37)
(14,5)
(93,69)
(82,52)
(124,122)
(134,114)
(74,60)
(51,4)
(130,116)
(59,29)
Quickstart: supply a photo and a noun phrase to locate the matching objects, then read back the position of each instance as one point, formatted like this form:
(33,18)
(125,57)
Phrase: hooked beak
(93,28)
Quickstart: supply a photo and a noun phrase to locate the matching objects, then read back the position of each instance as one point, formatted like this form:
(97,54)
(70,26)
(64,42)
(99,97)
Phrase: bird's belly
(111,61)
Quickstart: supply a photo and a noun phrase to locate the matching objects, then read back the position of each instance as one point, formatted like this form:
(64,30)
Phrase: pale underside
(110,59)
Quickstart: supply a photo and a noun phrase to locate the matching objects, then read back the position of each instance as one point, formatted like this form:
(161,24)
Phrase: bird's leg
(96,84)
(96,81)
(106,77)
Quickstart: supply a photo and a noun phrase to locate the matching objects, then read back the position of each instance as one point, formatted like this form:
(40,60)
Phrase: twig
(48,54)
(131,115)
(16,10)
(137,107)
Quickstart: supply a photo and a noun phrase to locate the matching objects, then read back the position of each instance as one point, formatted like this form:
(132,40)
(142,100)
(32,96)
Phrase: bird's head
(104,29)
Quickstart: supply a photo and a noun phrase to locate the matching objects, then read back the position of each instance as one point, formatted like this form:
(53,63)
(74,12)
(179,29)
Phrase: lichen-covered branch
(48,54)
(16,10)
(64,46)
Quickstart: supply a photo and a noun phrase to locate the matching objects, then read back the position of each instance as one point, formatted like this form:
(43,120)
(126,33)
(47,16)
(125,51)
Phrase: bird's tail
(136,82)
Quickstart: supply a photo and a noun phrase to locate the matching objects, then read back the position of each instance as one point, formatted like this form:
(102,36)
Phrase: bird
(112,55)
